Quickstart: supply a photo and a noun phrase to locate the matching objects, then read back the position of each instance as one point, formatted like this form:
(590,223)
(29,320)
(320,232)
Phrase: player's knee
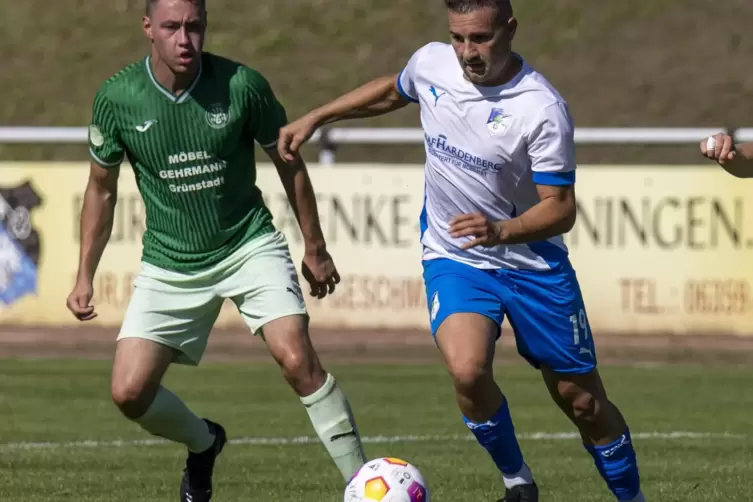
(468,376)
(586,408)
(584,405)
(303,371)
(132,399)
(294,365)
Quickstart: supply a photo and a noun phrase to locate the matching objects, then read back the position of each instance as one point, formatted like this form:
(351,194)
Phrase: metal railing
(329,139)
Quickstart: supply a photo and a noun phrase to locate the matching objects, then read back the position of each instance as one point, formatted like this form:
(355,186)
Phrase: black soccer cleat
(196,485)
(522,493)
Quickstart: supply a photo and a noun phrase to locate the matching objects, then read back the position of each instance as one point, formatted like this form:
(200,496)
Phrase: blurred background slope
(637,63)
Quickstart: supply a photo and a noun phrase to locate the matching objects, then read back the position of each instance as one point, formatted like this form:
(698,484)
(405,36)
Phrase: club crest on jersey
(95,136)
(217,116)
(498,122)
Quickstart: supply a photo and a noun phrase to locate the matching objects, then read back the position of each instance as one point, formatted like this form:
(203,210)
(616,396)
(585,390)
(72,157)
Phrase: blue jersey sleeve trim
(557,179)
(401,90)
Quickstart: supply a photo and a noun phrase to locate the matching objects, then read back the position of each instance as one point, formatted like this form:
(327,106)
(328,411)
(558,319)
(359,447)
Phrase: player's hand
(484,232)
(319,271)
(719,147)
(294,135)
(79,302)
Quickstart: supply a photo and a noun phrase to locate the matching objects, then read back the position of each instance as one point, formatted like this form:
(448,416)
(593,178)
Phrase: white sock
(169,418)
(333,421)
(522,477)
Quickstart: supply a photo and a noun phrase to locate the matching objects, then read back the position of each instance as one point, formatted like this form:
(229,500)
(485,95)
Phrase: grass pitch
(59,433)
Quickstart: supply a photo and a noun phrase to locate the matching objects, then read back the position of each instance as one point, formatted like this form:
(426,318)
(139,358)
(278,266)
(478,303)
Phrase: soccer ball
(387,480)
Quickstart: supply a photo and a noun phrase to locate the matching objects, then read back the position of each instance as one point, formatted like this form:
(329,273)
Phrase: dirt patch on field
(401,346)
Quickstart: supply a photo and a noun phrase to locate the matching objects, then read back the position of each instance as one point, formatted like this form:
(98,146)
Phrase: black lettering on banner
(630,219)
(365,219)
(337,215)
(400,221)
(697,223)
(732,226)
(718,296)
(662,240)
(373,208)
(639,296)
(590,226)
(367,292)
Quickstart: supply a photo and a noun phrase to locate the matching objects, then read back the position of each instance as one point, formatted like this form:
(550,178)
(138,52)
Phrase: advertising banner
(657,249)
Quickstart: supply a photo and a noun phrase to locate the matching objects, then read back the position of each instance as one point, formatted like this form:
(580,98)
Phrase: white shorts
(178,309)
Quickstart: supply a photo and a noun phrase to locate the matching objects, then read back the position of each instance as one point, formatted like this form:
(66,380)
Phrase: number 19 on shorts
(580,327)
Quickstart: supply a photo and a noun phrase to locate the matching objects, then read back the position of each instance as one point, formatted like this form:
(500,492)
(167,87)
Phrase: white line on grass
(302,440)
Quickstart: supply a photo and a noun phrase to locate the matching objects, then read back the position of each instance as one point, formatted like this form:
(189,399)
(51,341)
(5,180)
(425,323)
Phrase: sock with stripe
(497,436)
(332,418)
(617,464)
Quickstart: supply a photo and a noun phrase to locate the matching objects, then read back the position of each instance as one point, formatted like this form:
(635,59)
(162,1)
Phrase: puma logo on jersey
(341,435)
(436,94)
(146,125)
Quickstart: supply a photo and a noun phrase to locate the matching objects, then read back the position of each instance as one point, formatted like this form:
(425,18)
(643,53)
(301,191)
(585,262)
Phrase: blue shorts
(544,307)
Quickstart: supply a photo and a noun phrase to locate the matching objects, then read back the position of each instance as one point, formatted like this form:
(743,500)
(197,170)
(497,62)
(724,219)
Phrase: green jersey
(192,155)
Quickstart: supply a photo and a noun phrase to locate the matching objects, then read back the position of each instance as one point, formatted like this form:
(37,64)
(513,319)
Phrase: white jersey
(486,149)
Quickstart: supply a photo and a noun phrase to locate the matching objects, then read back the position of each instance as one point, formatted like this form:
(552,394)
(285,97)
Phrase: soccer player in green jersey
(187,121)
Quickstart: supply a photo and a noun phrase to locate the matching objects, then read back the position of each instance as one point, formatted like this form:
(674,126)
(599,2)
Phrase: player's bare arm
(96,223)
(554,215)
(318,267)
(735,159)
(374,98)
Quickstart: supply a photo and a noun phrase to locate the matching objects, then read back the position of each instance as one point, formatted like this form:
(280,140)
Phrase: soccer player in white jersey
(736,159)
(500,174)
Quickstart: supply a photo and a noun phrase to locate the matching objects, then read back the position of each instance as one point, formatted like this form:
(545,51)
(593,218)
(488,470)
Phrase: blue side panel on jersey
(556,179)
(401,90)
(423,223)
(553,255)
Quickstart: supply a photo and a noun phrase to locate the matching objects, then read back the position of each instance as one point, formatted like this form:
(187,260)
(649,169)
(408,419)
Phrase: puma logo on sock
(341,435)
(611,451)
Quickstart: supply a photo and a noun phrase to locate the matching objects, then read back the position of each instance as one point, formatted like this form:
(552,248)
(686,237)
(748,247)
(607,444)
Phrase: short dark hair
(464,6)
(151,3)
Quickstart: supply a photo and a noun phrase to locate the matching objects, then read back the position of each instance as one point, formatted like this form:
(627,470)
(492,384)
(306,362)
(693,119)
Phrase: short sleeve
(267,113)
(406,81)
(105,146)
(551,147)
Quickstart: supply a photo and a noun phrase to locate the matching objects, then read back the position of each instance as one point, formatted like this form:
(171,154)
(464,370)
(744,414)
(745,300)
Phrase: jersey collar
(169,95)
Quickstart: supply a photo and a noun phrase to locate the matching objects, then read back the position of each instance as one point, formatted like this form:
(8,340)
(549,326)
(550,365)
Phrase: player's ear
(512,27)
(147,26)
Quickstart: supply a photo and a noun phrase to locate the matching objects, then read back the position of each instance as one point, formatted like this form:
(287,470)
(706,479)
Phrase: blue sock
(497,436)
(618,466)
